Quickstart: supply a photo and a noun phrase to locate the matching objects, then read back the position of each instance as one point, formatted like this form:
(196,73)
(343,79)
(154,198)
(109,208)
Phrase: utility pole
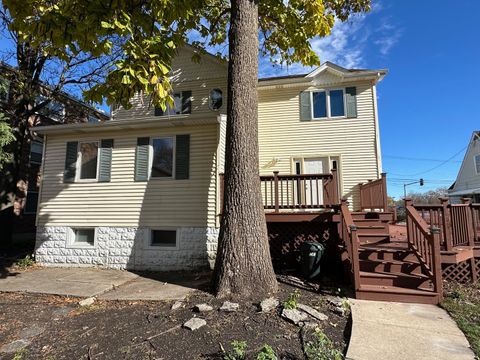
(420,181)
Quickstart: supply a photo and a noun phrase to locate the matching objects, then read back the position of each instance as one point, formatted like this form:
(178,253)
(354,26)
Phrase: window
(4,89)
(162,160)
(83,236)
(319,104)
(36,150)
(477,163)
(328,103)
(88,160)
(216,99)
(337,106)
(163,238)
(55,110)
(182,104)
(31,202)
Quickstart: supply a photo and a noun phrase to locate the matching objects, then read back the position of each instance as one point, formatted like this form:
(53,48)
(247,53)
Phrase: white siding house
(142,190)
(467,183)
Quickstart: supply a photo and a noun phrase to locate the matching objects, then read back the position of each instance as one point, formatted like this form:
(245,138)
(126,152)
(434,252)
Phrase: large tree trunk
(243,266)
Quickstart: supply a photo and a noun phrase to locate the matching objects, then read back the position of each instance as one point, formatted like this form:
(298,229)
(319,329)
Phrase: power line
(416,158)
(435,167)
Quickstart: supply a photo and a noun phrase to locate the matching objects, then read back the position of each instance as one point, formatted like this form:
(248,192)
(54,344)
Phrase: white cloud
(349,43)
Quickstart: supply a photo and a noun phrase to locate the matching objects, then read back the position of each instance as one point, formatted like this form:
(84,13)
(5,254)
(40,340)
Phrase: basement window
(164,238)
(84,236)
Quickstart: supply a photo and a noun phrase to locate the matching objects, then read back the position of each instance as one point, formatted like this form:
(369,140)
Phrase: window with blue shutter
(105,166)
(70,162)
(182,155)
(141,159)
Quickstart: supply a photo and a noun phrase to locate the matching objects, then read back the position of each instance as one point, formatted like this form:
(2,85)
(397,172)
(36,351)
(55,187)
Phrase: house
(467,184)
(143,191)
(18,215)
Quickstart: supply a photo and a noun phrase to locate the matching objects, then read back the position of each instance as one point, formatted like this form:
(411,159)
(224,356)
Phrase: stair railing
(424,241)
(349,235)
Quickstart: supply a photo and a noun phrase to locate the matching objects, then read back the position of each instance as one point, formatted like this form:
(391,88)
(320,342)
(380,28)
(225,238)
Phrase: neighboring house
(467,184)
(63,109)
(142,191)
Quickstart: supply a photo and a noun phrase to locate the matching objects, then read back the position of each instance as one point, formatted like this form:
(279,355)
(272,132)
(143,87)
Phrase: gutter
(112,125)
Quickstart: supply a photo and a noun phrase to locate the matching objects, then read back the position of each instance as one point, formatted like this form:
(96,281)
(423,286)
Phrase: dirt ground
(58,328)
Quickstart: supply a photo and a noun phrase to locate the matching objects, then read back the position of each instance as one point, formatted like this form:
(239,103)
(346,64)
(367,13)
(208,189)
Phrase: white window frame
(151,153)
(475,163)
(78,165)
(149,239)
(329,115)
(71,243)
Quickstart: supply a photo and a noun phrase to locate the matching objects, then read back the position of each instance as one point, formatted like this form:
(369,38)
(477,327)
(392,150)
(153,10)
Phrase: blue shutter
(70,162)
(182,157)
(186,102)
(351,101)
(305,106)
(105,166)
(141,159)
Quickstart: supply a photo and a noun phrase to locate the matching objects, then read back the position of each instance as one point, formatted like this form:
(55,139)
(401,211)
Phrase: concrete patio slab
(82,282)
(104,284)
(148,289)
(404,331)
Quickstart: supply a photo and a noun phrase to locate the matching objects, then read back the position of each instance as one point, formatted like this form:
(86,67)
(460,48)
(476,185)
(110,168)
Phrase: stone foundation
(127,248)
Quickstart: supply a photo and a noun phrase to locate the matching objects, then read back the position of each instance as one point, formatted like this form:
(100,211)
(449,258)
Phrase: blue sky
(428,102)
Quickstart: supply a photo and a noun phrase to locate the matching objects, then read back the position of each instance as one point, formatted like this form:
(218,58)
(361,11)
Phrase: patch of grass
(239,350)
(321,348)
(292,300)
(27,261)
(267,353)
(462,301)
(19,354)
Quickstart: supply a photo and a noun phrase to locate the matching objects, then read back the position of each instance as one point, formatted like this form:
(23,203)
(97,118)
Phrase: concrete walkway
(103,283)
(386,330)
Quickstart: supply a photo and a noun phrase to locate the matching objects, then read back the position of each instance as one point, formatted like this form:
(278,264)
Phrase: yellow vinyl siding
(200,78)
(283,137)
(124,202)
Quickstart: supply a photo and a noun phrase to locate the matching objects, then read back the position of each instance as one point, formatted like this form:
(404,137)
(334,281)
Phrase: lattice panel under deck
(461,272)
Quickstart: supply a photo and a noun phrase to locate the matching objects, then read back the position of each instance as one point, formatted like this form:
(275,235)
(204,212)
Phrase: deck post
(471,228)
(275,182)
(355,255)
(384,190)
(437,261)
(447,221)
(336,191)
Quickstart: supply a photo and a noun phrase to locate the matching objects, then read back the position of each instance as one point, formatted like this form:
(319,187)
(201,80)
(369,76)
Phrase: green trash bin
(311,255)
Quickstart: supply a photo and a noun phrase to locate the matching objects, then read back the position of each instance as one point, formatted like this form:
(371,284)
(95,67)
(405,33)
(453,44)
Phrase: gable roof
(475,136)
(328,67)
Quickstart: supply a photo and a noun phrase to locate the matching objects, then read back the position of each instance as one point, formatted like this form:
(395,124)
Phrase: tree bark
(243,265)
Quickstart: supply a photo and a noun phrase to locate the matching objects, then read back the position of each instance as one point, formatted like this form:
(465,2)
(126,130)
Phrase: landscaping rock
(295,316)
(229,306)
(14,346)
(177,305)
(312,312)
(194,323)
(336,301)
(202,308)
(268,304)
(87,302)
(339,310)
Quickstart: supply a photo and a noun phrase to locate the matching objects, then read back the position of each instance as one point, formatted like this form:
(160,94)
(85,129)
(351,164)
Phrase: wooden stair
(389,270)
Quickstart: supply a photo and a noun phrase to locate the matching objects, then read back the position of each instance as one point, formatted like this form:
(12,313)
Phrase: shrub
(238,350)
(266,353)
(292,300)
(321,348)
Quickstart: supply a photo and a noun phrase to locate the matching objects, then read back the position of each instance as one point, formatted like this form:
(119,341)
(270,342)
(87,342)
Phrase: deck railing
(373,194)
(424,241)
(306,191)
(349,236)
(458,223)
